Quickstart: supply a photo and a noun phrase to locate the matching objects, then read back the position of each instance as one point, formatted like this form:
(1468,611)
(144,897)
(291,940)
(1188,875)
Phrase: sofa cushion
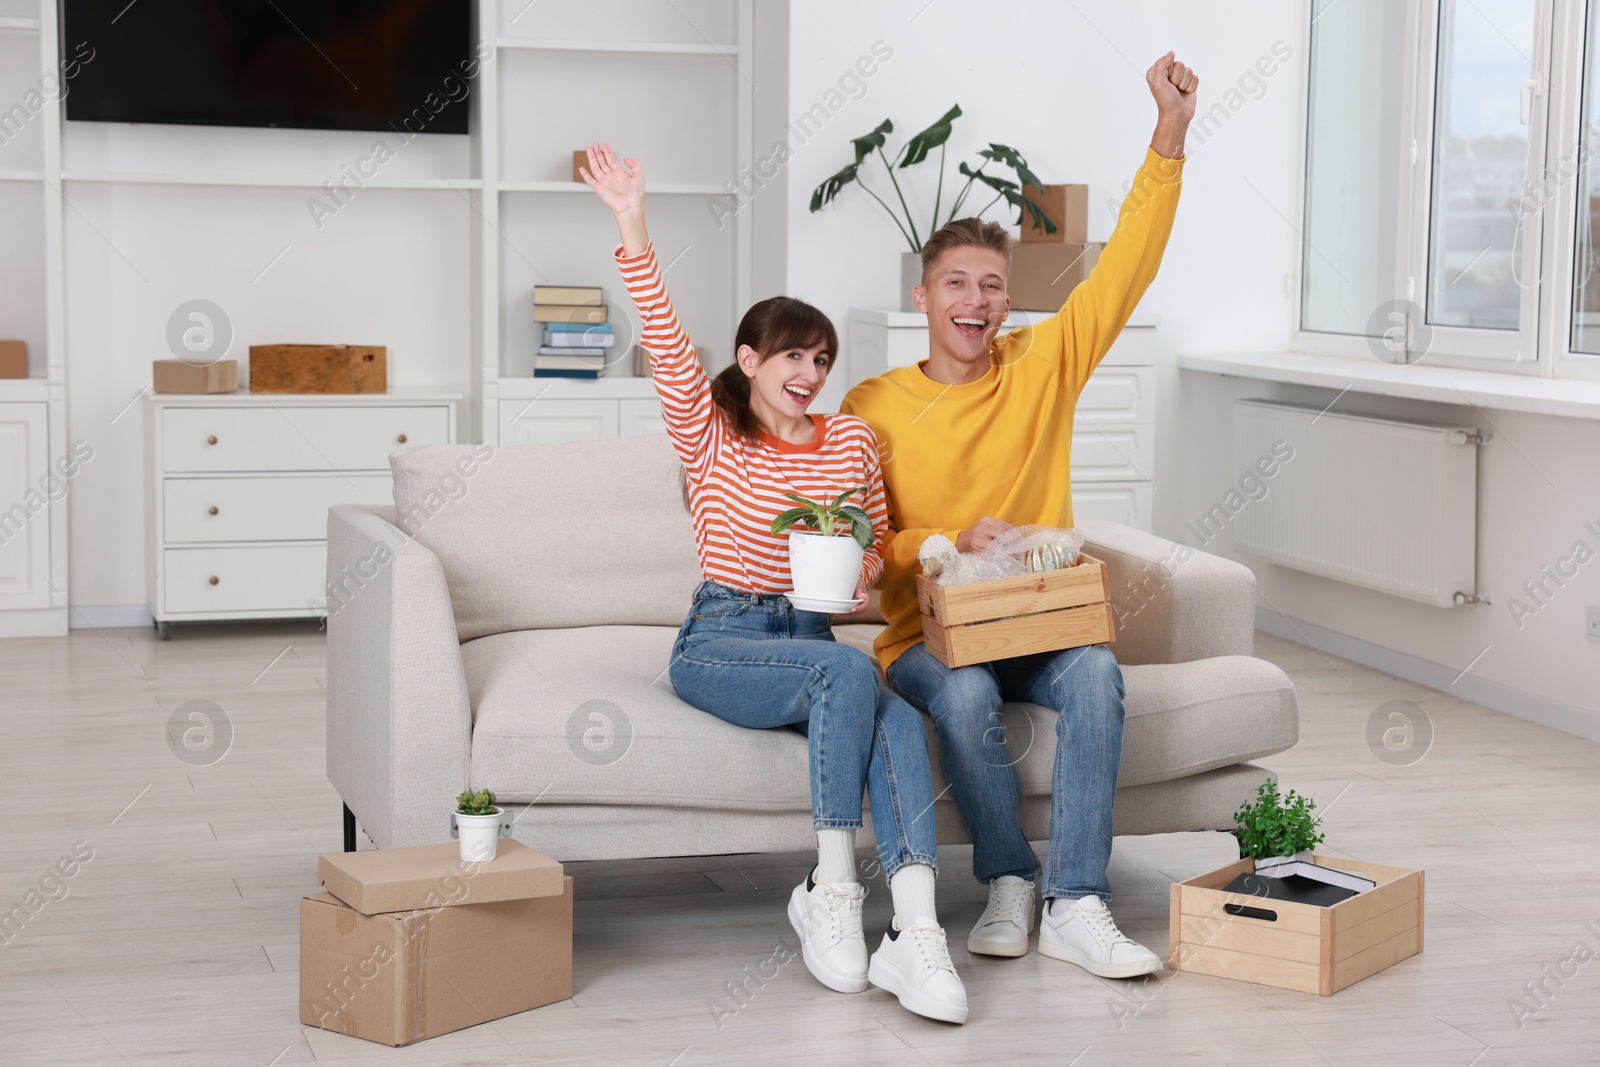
(535,536)
(588,716)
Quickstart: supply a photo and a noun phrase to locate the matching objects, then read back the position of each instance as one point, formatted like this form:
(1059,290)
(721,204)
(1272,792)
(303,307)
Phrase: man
(979,438)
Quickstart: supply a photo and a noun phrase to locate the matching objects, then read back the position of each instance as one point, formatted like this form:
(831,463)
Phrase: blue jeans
(754,660)
(1085,686)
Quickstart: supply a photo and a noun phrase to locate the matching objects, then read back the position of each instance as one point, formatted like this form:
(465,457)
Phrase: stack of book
(577,338)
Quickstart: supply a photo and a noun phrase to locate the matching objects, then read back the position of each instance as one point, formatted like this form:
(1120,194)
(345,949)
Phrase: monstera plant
(920,148)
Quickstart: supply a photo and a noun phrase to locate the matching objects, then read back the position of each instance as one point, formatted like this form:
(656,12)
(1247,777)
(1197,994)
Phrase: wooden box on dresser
(1114,434)
(240,485)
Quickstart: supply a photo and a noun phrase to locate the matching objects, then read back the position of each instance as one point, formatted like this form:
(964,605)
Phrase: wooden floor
(176,943)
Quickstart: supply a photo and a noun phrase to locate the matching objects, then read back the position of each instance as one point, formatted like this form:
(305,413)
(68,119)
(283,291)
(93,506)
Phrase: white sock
(836,855)
(912,889)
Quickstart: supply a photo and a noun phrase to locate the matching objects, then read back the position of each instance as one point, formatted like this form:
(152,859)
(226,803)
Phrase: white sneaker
(914,964)
(1083,932)
(827,918)
(1004,926)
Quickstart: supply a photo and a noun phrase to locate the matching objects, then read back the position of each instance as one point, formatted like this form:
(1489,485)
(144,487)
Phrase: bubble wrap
(1019,550)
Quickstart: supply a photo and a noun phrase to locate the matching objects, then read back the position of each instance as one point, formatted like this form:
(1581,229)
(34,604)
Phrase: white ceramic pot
(824,568)
(480,835)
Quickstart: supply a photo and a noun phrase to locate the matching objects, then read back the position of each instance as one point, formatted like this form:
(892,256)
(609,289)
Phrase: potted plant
(478,825)
(1277,826)
(825,558)
(915,151)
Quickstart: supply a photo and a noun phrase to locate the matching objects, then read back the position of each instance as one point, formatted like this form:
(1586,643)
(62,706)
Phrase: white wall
(1073,101)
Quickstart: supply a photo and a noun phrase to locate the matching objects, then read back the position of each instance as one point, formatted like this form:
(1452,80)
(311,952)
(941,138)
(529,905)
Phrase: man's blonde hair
(961,233)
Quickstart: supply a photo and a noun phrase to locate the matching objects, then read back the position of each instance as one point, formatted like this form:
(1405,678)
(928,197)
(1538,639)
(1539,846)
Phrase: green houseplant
(915,151)
(1275,825)
(478,825)
(825,558)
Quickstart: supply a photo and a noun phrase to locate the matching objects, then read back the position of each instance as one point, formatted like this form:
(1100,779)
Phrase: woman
(747,656)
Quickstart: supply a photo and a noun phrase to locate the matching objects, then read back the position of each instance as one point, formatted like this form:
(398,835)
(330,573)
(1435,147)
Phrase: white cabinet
(537,411)
(240,486)
(27,492)
(1114,431)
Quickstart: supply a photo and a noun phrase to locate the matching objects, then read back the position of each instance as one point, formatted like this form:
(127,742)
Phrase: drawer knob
(212,510)
(401,439)
(214,579)
(211,440)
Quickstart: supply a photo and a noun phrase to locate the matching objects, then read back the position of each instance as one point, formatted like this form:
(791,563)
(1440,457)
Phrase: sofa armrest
(1172,603)
(399,717)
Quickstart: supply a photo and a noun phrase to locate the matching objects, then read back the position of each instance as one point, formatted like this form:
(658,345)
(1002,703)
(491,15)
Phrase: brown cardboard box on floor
(1068,208)
(1043,274)
(176,376)
(451,954)
(13,359)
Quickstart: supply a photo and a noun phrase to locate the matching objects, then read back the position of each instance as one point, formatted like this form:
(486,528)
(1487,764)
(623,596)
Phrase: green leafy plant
(828,519)
(1276,825)
(479,803)
(918,149)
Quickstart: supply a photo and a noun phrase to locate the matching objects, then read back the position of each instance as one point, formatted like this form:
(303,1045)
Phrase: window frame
(1542,346)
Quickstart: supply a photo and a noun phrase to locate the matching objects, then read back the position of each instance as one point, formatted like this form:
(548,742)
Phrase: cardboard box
(1068,208)
(399,879)
(13,359)
(580,158)
(176,376)
(402,977)
(1291,945)
(319,368)
(1044,273)
(1041,612)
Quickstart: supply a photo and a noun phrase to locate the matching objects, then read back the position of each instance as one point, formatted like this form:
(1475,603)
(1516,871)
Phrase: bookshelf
(33,561)
(625,71)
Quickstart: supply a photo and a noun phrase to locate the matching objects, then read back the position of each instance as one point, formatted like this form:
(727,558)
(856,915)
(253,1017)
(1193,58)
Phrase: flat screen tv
(404,65)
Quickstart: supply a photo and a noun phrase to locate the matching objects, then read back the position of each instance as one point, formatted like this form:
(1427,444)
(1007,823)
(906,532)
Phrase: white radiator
(1387,505)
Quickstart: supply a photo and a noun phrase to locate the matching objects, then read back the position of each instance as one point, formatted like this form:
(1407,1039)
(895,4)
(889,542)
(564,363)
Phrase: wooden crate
(318,369)
(1041,612)
(1296,946)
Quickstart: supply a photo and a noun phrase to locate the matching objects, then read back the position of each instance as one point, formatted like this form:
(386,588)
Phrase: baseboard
(1556,714)
(111,617)
(34,622)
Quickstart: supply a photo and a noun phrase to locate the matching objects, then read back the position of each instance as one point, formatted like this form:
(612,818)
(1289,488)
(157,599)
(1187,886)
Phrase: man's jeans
(1085,686)
(735,659)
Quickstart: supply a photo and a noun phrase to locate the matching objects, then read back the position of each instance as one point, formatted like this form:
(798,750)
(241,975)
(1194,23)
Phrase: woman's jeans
(755,660)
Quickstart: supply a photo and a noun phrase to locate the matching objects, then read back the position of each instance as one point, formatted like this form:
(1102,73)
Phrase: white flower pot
(824,568)
(480,835)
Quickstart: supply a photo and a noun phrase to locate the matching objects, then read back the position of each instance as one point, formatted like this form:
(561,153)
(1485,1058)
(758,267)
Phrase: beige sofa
(519,638)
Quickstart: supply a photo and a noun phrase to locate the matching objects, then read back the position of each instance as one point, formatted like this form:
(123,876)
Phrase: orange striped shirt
(736,486)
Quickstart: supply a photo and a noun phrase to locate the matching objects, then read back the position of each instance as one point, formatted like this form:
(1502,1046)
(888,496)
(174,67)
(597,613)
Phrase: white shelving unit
(534,231)
(33,557)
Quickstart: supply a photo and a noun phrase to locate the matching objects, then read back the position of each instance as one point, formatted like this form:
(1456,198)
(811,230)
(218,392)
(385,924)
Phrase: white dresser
(29,491)
(240,485)
(1113,439)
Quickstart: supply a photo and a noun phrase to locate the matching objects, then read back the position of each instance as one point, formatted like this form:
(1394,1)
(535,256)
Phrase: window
(1449,184)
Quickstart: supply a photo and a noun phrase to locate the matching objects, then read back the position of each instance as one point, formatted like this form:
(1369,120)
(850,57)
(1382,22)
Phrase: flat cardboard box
(320,369)
(402,977)
(13,359)
(430,876)
(1068,208)
(1044,273)
(1294,945)
(580,158)
(176,376)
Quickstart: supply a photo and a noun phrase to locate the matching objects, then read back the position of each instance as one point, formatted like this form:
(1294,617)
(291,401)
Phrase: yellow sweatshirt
(1002,445)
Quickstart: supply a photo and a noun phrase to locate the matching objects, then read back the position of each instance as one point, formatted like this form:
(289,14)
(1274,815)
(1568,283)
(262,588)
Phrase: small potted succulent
(1275,827)
(478,825)
(825,557)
